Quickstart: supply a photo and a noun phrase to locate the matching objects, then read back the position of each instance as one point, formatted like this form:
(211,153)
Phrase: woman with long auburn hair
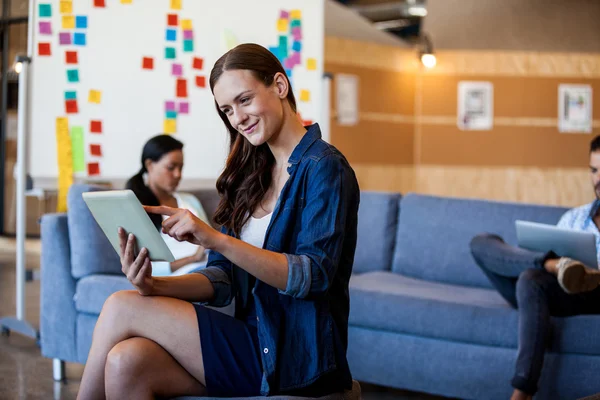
(288,211)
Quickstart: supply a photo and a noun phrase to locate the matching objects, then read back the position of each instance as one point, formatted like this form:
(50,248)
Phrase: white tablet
(121,208)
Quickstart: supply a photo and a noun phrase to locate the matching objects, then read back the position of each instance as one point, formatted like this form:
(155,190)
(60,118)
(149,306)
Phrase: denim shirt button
(265,350)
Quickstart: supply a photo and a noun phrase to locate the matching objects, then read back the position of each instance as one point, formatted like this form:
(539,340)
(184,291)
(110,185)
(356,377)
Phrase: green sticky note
(73,75)
(171,114)
(45,10)
(283,47)
(169,53)
(188,45)
(78,149)
(70,95)
(295,23)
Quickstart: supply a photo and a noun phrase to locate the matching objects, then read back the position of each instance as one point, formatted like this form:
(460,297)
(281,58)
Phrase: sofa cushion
(91,251)
(434,233)
(92,291)
(392,302)
(377,220)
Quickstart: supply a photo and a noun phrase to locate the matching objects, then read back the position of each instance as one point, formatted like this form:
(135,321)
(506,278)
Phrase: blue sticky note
(171,35)
(81,22)
(288,72)
(275,51)
(295,23)
(45,10)
(169,52)
(171,114)
(188,45)
(79,39)
(297,46)
(70,95)
(73,75)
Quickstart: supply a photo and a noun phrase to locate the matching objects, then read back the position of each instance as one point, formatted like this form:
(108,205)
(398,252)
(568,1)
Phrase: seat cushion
(392,302)
(434,233)
(92,291)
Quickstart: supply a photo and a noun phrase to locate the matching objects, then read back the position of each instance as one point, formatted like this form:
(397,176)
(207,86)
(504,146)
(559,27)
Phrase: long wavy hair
(154,150)
(247,175)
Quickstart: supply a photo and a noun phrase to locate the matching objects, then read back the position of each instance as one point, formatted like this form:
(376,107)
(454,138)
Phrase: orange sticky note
(71,107)
(96,126)
(71,57)
(201,81)
(172,20)
(182,88)
(148,63)
(198,63)
(44,49)
(304,95)
(93,169)
(311,64)
(96,150)
(99,3)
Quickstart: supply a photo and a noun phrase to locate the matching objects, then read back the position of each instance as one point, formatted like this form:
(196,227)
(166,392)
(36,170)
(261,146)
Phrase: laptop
(578,245)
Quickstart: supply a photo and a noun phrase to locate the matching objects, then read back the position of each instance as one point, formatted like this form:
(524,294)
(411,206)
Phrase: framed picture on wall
(574,108)
(475,106)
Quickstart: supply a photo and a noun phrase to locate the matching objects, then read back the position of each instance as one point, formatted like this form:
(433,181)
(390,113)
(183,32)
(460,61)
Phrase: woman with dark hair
(288,210)
(156,184)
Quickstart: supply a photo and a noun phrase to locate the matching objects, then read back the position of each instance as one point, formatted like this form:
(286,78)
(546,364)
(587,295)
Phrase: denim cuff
(299,276)
(524,385)
(221,285)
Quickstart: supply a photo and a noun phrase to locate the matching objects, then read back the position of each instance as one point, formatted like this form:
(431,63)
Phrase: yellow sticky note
(170,126)
(95,96)
(296,14)
(65,162)
(126,1)
(304,95)
(186,24)
(311,64)
(68,22)
(66,7)
(282,25)
(175,4)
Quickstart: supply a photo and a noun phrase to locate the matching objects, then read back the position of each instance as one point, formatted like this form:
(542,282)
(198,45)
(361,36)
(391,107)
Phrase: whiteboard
(132,105)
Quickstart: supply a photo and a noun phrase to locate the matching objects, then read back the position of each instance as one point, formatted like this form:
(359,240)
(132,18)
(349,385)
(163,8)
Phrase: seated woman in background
(162,163)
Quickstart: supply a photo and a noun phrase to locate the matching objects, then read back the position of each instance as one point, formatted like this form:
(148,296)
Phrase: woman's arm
(182,262)
(189,287)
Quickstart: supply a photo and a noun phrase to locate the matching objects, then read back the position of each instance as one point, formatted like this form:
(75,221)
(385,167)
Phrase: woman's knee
(124,361)
(481,242)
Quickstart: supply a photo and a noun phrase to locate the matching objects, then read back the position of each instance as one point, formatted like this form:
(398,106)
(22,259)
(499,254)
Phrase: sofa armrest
(57,308)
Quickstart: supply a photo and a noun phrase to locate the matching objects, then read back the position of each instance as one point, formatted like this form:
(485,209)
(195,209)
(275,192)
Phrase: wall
(407,139)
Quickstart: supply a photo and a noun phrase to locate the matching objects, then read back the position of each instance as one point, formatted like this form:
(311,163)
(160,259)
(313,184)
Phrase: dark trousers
(520,277)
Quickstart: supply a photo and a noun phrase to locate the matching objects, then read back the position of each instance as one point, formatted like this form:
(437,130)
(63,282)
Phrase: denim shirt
(303,330)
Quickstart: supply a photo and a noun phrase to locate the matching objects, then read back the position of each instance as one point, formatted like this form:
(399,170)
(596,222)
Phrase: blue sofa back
(432,241)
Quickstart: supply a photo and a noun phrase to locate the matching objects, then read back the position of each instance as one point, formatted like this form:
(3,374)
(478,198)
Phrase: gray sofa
(423,316)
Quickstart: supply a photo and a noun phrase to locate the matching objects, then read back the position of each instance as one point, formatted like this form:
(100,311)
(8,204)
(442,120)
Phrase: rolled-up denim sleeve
(332,194)
(218,271)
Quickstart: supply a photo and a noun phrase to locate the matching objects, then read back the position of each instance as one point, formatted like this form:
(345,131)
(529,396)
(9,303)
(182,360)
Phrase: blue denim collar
(595,207)
(312,134)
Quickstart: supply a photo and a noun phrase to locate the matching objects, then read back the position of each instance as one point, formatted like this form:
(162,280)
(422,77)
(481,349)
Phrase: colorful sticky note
(148,63)
(175,4)
(71,57)
(70,95)
(188,46)
(296,14)
(295,59)
(182,88)
(96,150)
(171,35)
(186,24)
(201,81)
(45,10)
(172,20)
(304,95)
(283,47)
(284,14)
(71,107)
(99,3)
(169,106)
(311,64)
(282,25)
(66,7)
(77,149)
(171,114)
(295,23)
(177,70)
(79,38)
(188,34)
(65,162)
(45,28)
(73,75)
(198,63)
(297,33)
(64,38)
(93,169)
(170,53)
(297,46)
(184,107)
(95,96)
(81,22)
(95,126)
(275,51)
(170,126)
(126,1)
(44,49)
(288,72)
(68,22)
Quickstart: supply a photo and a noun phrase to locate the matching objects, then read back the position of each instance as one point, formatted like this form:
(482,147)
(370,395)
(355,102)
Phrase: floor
(25,374)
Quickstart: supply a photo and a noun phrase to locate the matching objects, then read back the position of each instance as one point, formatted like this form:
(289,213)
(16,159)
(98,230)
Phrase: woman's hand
(183,225)
(138,270)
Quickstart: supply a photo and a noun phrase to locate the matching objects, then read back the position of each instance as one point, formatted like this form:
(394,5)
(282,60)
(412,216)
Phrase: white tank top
(255,229)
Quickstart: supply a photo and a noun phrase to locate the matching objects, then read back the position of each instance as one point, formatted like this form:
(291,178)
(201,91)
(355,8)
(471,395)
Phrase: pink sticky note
(288,63)
(64,38)
(284,14)
(188,34)
(169,106)
(184,107)
(45,28)
(297,33)
(177,70)
(295,59)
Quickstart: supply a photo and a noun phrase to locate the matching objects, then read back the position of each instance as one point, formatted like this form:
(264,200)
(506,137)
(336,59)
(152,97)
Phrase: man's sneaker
(574,277)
